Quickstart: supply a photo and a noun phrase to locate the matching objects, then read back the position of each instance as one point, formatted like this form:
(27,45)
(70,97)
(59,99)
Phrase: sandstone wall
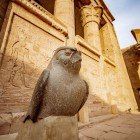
(132,59)
(98,101)
(28,43)
(107,47)
(124,93)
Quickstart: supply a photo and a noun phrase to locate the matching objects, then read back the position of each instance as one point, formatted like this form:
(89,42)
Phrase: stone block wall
(98,100)
(132,60)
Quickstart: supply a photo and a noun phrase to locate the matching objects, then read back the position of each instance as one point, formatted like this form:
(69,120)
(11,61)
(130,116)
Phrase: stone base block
(84,115)
(50,128)
(114,109)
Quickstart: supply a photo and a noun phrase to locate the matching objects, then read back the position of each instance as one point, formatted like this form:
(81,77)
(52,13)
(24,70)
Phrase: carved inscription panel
(111,80)
(90,71)
(27,52)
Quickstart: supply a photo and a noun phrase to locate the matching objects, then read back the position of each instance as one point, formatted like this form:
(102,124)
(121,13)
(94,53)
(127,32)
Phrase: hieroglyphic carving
(90,70)
(28,51)
(19,51)
(111,81)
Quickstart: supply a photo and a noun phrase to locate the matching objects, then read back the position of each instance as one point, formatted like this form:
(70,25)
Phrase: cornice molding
(43,14)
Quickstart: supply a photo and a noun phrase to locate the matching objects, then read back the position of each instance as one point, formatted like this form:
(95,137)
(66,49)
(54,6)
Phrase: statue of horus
(59,90)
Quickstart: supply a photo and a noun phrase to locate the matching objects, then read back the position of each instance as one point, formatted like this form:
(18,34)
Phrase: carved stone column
(90,20)
(64,11)
(91,17)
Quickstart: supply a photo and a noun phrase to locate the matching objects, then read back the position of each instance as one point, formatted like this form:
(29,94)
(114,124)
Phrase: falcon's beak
(76,57)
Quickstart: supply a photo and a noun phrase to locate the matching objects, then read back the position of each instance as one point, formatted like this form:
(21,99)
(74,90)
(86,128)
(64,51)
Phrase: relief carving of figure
(20,52)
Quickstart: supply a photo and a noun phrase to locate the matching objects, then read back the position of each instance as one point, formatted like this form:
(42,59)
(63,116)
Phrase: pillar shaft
(64,11)
(90,21)
(91,17)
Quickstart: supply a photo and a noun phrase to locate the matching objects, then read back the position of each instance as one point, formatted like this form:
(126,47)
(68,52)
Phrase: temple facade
(30,32)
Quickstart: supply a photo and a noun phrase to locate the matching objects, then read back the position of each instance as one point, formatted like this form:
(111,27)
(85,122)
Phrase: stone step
(97,119)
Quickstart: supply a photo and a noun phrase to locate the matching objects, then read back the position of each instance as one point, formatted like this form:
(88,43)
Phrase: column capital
(89,13)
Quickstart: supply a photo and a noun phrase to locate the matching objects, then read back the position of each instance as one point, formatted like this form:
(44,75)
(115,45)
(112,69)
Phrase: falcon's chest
(65,84)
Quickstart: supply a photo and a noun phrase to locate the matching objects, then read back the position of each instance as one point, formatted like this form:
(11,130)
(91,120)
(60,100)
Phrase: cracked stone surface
(123,127)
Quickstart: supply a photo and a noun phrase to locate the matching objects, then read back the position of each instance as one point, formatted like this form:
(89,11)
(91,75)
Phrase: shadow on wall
(132,60)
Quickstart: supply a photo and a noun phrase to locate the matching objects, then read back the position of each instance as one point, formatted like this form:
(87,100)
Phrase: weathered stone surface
(84,115)
(114,109)
(10,123)
(91,16)
(123,127)
(132,58)
(8,136)
(5,123)
(53,128)
(66,15)
(17,119)
(25,57)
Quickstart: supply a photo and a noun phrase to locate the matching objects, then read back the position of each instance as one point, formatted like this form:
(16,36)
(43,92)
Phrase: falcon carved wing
(37,97)
(86,97)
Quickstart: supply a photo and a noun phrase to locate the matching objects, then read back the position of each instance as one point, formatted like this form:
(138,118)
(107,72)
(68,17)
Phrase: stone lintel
(43,14)
(86,48)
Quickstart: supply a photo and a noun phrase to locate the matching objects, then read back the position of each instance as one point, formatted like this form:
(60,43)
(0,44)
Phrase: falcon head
(69,58)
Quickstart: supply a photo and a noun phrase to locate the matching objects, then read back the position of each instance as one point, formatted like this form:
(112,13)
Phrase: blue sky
(127,17)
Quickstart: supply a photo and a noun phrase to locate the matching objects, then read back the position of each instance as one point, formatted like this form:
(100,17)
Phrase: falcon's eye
(67,53)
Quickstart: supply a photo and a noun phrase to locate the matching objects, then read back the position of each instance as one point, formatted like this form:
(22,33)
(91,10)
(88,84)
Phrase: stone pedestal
(114,109)
(50,128)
